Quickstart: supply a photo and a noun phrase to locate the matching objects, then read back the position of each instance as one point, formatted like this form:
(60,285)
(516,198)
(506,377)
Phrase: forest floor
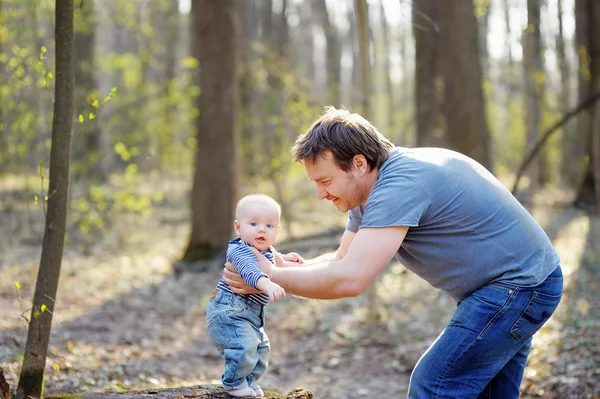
(124,321)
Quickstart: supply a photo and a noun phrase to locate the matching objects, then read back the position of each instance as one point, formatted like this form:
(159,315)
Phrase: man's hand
(293,257)
(263,263)
(235,282)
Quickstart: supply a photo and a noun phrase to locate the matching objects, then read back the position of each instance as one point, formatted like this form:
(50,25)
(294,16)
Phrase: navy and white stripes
(244,261)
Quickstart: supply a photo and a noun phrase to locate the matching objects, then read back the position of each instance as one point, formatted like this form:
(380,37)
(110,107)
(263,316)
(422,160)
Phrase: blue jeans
(483,351)
(236,326)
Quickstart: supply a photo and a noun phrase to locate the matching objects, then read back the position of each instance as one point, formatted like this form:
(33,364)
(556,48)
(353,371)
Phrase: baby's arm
(268,287)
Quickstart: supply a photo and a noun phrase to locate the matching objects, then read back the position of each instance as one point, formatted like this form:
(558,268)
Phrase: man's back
(465,228)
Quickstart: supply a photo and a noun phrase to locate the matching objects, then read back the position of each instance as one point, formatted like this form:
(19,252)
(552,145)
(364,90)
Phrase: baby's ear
(236,226)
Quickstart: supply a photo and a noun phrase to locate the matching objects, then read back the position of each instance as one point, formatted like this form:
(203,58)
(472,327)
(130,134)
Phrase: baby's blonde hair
(254,199)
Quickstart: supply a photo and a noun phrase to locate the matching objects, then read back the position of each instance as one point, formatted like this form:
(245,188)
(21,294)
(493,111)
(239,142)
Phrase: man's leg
(487,331)
(508,380)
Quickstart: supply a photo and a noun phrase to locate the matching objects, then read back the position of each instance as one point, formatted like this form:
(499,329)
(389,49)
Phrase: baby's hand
(293,257)
(274,291)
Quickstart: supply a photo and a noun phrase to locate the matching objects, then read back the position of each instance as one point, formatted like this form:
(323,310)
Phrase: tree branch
(546,135)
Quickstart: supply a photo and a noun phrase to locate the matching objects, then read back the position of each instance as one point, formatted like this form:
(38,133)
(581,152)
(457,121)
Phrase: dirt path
(124,321)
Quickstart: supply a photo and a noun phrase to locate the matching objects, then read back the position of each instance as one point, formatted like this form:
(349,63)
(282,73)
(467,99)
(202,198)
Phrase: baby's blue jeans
(483,351)
(236,326)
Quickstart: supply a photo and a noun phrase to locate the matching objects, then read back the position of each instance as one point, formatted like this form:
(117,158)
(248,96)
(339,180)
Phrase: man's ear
(360,164)
(236,226)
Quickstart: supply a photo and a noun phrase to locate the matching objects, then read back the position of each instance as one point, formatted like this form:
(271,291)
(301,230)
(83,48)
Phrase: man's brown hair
(345,134)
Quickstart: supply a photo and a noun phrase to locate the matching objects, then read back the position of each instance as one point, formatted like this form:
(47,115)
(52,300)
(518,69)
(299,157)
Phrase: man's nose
(321,192)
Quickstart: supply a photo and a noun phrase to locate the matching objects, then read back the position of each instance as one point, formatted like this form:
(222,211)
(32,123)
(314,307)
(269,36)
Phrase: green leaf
(92,116)
(17,285)
(56,367)
(95,104)
(41,164)
(81,118)
(36,314)
(50,76)
(35,199)
(190,63)
(44,307)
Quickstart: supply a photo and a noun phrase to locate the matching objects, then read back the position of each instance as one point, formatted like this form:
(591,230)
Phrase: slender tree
(31,379)
(362,25)
(214,189)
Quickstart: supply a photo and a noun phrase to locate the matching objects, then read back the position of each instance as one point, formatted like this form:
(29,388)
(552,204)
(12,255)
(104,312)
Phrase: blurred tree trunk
(568,133)
(333,55)
(428,84)
(509,73)
(31,379)
(362,29)
(460,64)
(167,17)
(483,24)
(214,189)
(589,194)
(304,47)
(248,132)
(87,158)
(4,156)
(390,108)
(533,75)
(577,148)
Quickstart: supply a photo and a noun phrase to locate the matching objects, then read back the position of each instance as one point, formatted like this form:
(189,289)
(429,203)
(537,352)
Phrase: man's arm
(369,251)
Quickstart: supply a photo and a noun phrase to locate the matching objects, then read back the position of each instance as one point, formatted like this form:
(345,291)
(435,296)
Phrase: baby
(236,322)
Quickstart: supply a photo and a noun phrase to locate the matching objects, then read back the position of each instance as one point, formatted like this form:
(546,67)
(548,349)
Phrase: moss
(31,378)
(64,396)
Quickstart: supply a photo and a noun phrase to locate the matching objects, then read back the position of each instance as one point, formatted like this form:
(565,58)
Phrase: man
(451,222)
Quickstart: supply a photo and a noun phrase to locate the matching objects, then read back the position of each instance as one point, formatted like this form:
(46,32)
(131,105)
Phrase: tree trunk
(362,29)
(508,73)
(595,132)
(577,149)
(247,92)
(4,387)
(31,378)
(568,133)
(4,156)
(533,70)
(214,190)
(430,129)
(333,55)
(464,105)
(390,107)
(87,165)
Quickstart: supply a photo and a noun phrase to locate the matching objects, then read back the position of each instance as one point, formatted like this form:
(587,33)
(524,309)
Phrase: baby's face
(258,225)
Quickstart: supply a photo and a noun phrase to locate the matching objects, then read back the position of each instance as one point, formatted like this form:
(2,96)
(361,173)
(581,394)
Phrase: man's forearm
(320,280)
(322,258)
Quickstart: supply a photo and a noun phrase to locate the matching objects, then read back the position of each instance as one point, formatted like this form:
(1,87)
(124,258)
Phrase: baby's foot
(258,390)
(245,392)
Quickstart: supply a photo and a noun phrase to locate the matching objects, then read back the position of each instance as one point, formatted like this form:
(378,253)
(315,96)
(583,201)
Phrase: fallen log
(197,392)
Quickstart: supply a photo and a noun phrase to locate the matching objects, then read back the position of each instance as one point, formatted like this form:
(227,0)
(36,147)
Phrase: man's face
(344,189)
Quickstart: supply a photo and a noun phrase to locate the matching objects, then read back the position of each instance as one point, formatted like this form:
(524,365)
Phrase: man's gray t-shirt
(465,228)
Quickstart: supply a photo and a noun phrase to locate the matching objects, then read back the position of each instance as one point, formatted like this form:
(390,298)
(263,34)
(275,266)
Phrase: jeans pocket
(537,312)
